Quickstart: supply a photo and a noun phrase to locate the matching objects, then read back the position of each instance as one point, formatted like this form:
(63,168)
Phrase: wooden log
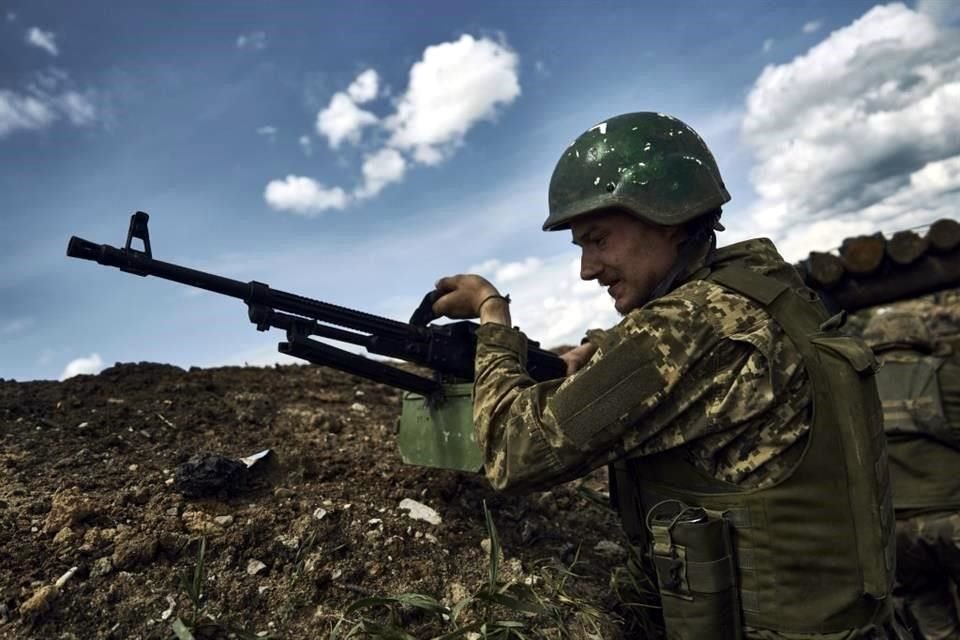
(825,269)
(905,247)
(944,234)
(862,255)
(929,274)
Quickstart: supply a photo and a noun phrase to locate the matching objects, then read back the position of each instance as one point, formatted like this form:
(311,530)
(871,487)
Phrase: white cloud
(379,170)
(517,270)
(452,87)
(306,144)
(19,111)
(77,107)
(343,120)
(812,26)
(90,365)
(47,98)
(549,300)
(943,11)
(256,40)
(768,45)
(269,132)
(304,196)
(365,87)
(46,40)
(858,133)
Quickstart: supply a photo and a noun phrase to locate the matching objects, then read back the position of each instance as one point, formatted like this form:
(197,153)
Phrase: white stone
(254,567)
(420,511)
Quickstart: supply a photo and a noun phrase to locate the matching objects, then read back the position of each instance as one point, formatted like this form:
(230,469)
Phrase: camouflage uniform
(712,375)
(739,387)
(926,487)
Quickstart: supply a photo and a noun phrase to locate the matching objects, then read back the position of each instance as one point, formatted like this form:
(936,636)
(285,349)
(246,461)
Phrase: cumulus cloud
(365,87)
(812,26)
(256,40)
(858,133)
(343,120)
(92,364)
(943,11)
(304,196)
(452,87)
(379,170)
(46,40)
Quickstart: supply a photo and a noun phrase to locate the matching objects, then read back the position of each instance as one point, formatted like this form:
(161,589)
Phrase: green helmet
(650,164)
(897,328)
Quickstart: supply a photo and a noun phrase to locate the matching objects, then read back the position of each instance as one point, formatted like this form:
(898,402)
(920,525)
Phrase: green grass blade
(494,548)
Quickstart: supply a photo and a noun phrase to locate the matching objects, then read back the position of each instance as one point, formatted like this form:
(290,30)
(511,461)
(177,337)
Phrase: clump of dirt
(87,481)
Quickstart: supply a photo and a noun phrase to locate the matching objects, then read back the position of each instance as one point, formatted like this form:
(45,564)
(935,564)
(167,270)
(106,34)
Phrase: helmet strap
(690,247)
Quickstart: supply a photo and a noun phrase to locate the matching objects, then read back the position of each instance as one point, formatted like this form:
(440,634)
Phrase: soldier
(742,431)
(921,412)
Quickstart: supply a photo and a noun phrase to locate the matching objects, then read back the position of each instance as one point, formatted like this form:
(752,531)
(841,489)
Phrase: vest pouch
(692,552)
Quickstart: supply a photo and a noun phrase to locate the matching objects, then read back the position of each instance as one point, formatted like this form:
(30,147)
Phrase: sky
(356,152)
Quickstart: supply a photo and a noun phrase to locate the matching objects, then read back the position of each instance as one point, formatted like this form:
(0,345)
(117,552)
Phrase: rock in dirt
(70,507)
(43,599)
(420,511)
(209,474)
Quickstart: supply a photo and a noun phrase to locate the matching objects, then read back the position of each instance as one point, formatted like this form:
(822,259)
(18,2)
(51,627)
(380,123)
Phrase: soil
(88,480)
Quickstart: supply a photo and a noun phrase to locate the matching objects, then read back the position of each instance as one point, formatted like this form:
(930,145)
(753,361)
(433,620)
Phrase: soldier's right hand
(577,357)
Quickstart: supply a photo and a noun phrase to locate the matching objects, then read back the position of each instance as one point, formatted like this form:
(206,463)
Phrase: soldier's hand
(577,357)
(462,295)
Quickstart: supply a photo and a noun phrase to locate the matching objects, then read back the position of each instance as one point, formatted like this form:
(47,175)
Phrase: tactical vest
(909,391)
(923,461)
(813,553)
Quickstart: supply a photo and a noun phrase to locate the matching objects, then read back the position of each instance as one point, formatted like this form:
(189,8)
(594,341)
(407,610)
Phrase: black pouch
(692,552)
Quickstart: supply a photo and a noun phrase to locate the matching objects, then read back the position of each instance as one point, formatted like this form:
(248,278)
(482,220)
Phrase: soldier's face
(625,255)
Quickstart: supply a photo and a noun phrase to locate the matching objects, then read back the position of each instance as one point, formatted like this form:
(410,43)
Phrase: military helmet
(894,328)
(650,164)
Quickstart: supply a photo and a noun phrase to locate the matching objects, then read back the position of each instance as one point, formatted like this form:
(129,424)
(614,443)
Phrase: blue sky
(354,152)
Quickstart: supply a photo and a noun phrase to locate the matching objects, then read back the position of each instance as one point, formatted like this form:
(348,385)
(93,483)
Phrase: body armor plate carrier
(814,552)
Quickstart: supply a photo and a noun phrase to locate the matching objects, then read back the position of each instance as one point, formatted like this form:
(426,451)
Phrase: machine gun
(436,421)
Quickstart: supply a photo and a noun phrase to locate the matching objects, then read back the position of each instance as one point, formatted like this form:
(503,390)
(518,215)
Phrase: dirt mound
(87,480)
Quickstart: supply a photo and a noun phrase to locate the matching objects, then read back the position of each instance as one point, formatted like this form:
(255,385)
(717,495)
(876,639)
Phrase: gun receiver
(447,349)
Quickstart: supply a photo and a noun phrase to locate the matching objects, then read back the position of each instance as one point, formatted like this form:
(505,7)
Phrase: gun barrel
(83,249)
(139,263)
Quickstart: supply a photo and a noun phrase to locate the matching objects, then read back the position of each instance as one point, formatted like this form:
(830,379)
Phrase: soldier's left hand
(462,295)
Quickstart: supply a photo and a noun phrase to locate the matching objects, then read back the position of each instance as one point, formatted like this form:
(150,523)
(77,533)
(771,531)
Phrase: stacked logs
(873,269)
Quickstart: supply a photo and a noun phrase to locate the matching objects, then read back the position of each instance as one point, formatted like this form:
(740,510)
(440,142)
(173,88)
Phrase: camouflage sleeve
(661,362)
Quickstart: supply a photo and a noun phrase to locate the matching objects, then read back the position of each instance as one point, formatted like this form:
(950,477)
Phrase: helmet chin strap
(689,248)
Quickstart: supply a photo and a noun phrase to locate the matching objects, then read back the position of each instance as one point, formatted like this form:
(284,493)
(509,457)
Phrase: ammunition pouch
(692,553)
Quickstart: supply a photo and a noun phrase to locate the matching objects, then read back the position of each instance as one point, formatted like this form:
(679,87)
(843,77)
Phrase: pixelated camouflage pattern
(650,164)
(702,367)
(893,328)
(928,573)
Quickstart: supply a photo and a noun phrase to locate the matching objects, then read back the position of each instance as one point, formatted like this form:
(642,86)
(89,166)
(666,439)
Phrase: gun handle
(424,315)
